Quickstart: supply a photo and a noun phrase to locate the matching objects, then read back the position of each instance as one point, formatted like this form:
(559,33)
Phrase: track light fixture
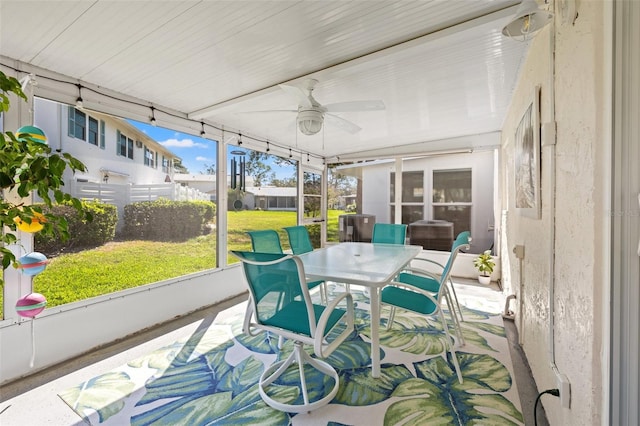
(239,139)
(79,102)
(290,155)
(307,157)
(153,116)
(202,132)
(268,149)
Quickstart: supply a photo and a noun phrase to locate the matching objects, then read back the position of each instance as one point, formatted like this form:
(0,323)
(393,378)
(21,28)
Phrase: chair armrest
(440,265)
(418,271)
(321,349)
(410,287)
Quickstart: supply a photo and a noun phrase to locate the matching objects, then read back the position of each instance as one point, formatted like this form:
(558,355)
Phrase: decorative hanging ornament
(36,223)
(29,306)
(33,263)
(31,133)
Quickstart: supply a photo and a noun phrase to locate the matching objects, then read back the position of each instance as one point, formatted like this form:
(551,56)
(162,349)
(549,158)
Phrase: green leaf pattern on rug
(358,387)
(104,394)
(190,382)
(436,397)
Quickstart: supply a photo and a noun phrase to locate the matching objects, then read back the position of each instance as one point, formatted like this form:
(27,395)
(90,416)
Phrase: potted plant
(484,263)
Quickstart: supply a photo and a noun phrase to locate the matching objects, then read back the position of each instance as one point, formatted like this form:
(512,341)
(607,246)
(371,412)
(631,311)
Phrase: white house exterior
(113,150)
(270,198)
(458,188)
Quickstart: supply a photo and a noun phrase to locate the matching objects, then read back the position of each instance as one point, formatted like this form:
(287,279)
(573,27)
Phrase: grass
(121,265)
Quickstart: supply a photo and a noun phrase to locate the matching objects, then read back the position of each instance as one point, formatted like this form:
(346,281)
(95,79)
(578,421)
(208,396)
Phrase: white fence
(120,195)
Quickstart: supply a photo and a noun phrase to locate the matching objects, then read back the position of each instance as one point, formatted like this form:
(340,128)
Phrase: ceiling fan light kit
(311,113)
(310,121)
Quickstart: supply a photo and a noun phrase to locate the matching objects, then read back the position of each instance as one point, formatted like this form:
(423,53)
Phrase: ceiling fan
(311,114)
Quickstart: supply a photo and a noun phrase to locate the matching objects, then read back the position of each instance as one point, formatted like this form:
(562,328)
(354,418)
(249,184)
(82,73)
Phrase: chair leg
(454,358)
(301,357)
(455,296)
(454,317)
(392,315)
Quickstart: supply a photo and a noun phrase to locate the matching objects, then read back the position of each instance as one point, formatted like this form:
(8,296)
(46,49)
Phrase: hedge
(164,220)
(82,233)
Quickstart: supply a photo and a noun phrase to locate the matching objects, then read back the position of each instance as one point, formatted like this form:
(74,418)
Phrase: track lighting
(307,157)
(239,139)
(153,116)
(202,133)
(290,155)
(268,149)
(79,102)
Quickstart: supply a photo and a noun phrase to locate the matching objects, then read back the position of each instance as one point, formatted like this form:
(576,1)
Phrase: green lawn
(121,265)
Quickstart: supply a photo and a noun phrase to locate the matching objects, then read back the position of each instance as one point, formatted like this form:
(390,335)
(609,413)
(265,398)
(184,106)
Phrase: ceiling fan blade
(268,111)
(343,124)
(298,94)
(355,106)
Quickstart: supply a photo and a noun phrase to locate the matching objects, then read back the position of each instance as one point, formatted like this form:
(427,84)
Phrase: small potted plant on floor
(484,263)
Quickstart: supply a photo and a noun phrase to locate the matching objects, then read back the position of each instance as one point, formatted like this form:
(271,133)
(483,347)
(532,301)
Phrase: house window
(149,158)
(166,165)
(452,198)
(125,146)
(93,131)
(77,124)
(412,196)
(85,127)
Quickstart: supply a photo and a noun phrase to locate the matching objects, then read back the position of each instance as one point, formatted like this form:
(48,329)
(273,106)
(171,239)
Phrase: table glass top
(359,263)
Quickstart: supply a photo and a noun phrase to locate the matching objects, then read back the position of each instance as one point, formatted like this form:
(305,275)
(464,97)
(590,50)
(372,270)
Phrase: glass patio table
(367,264)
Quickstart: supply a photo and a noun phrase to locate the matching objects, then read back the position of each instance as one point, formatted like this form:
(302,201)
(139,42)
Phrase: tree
(256,168)
(283,183)
(209,169)
(339,185)
(28,165)
(179,167)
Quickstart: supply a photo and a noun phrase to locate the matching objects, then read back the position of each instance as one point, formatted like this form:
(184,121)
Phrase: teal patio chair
(299,239)
(431,281)
(272,280)
(300,243)
(265,241)
(389,233)
(424,295)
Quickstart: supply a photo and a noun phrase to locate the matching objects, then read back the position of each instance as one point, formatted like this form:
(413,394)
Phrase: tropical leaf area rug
(210,377)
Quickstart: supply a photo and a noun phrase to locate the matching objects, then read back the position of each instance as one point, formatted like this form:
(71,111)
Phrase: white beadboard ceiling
(442,68)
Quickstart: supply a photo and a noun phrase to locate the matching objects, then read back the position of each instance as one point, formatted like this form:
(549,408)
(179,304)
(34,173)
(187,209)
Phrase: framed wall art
(527,160)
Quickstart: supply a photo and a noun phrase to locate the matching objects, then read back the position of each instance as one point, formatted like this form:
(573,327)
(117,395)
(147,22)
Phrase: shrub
(82,233)
(164,220)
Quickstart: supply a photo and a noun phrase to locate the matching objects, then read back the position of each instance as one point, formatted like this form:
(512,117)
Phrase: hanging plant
(27,164)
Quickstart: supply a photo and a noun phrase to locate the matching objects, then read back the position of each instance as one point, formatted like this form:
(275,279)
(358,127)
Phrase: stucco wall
(577,180)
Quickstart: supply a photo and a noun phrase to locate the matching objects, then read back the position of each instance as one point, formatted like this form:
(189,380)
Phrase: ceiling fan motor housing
(310,121)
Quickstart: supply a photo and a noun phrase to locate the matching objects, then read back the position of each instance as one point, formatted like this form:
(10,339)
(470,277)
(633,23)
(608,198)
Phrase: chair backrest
(299,239)
(461,242)
(265,241)
(274,282)
(389,233)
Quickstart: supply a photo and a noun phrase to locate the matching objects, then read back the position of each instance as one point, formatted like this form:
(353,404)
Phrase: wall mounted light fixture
(528,20)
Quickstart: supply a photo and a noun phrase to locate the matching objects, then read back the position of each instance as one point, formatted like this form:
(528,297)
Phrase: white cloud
(183,143)
(203,159)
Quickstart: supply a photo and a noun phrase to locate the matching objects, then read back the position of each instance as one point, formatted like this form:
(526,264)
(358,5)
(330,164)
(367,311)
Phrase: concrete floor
(33,401)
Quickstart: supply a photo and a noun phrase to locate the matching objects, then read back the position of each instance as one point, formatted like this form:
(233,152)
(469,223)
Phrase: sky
(196,153)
